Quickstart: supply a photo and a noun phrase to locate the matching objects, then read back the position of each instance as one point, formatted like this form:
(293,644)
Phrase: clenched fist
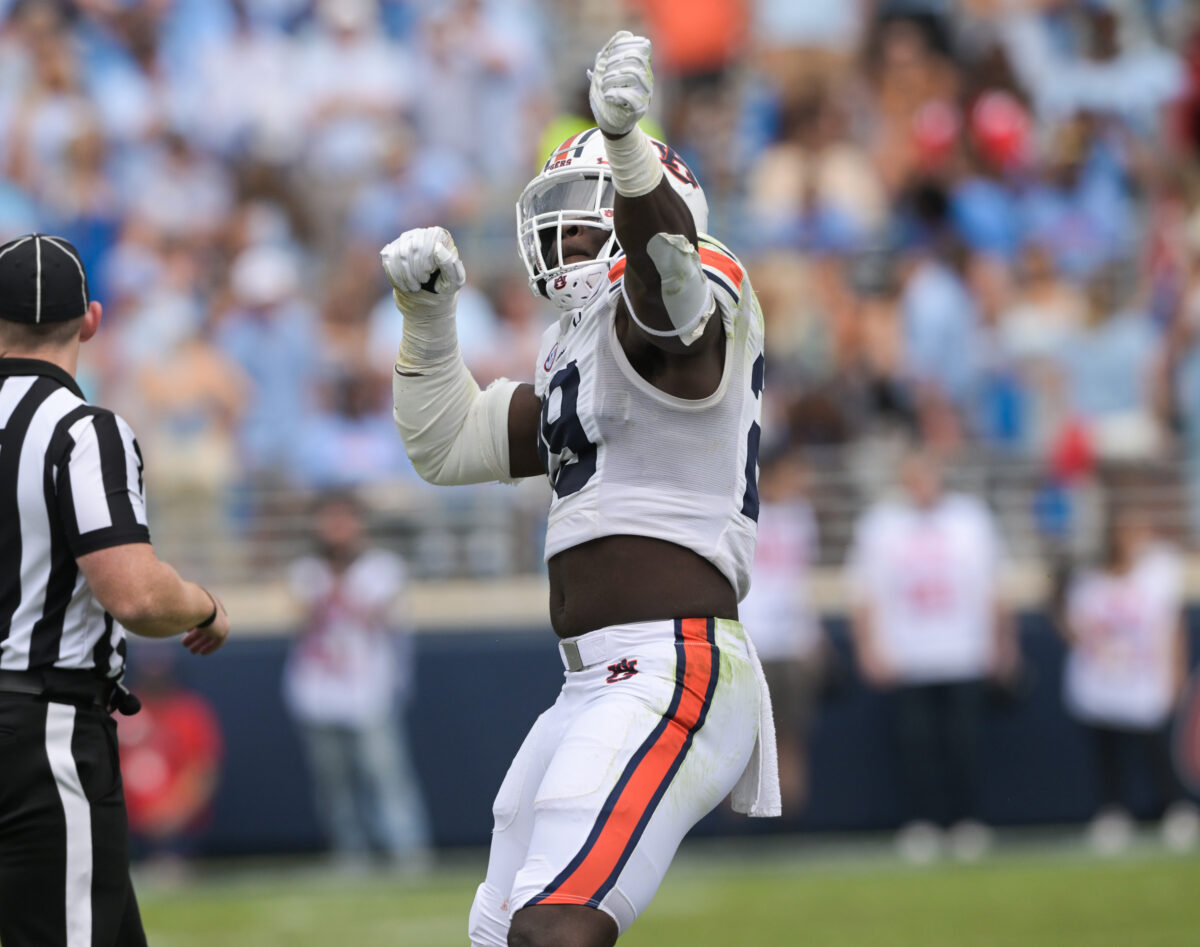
(621,83)
(424,269)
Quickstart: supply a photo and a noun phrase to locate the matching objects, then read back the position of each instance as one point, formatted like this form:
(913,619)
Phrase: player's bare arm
(524,412)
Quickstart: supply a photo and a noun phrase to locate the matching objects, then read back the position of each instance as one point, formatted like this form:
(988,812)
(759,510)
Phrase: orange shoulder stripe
(723,262)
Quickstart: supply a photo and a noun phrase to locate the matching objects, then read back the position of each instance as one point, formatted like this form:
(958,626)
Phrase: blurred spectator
(1046,311)
(781,620)
(797,43)
(355,79)
(171,754)
(930,631)
(1179,369)
(177,190)
(870,396)
(1125,671)
(46,114)
(908,66)
(812,188)
(351,439)
(1115,67)
(418,186)
(480,65)
(998,150)
(190,400)
(272,334)
(1080,206)
(521,318)
(941,328)
(345,683)
(1108,369)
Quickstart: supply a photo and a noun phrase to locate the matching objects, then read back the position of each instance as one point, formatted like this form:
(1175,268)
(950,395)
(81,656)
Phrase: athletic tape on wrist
(430,330)
(634,162)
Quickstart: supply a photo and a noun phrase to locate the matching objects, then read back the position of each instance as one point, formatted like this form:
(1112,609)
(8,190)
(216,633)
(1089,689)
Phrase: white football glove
(425,271)
(621,83)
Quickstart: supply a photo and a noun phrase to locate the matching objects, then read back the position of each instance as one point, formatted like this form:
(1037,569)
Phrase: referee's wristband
(213,617)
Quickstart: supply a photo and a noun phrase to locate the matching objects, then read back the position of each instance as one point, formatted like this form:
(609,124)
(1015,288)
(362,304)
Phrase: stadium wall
(477,692)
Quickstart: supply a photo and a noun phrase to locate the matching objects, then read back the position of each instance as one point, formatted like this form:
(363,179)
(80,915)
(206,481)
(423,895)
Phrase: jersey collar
(37,366)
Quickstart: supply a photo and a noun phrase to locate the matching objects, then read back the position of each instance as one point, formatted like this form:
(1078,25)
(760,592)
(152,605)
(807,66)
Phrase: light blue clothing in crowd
(940,330)
(278,350)
(1107,368)
(366,790)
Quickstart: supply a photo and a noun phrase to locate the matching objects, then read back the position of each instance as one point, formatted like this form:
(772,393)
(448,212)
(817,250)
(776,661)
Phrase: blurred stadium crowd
(974,221)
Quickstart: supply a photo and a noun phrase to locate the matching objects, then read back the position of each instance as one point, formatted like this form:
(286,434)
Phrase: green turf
(713,896)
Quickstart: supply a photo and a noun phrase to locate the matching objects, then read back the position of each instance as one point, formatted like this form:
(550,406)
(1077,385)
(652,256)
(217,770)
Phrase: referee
(76,570)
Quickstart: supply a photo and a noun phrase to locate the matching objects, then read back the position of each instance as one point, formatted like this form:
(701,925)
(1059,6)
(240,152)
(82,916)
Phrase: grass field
(773,895)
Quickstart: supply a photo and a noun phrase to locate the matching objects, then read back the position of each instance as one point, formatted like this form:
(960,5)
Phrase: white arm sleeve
(453,432)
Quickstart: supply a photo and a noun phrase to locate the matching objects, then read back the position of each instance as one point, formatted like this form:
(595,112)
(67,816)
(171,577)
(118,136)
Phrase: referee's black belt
(63,685)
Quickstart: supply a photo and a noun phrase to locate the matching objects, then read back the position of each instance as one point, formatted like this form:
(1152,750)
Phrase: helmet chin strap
(575,288)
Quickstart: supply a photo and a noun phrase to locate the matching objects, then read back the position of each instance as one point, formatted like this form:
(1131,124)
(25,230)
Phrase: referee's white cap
(41,280)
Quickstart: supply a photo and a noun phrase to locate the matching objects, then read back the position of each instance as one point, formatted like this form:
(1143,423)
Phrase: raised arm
(453,432)
(667,295)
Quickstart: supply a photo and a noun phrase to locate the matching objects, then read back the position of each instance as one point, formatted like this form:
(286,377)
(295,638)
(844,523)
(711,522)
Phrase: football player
(645,417)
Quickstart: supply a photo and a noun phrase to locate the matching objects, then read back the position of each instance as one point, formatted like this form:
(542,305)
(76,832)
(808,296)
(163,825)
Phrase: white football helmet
(575,189)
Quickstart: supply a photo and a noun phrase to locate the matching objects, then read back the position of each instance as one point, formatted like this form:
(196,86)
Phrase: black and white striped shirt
(70,484)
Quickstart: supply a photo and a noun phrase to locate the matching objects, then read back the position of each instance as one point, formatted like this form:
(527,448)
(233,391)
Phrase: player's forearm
(640,214)
(666,292)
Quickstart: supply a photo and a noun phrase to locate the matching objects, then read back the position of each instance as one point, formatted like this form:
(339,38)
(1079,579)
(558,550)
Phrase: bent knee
(561,925)
(487,925)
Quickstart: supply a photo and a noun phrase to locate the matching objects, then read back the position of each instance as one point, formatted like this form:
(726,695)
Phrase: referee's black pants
(64,838)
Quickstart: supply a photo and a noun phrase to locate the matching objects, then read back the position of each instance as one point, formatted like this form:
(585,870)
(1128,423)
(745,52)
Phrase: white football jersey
(626,458)
(1120,669)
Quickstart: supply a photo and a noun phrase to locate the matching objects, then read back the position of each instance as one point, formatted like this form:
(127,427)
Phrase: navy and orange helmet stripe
(574,144)
(627,811)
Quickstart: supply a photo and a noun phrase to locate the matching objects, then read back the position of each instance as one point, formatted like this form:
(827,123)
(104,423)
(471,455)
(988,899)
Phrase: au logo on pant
(621,671)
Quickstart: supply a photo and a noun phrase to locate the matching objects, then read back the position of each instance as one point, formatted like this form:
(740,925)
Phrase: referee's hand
(206,640)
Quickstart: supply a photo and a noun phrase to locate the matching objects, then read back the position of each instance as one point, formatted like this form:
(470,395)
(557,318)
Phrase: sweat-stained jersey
(626,458)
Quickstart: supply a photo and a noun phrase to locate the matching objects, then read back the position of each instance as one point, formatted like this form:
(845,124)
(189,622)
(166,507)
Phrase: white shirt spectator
(344,667)
(1133,84)
(777,611)
(1120,672)
(928,578)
